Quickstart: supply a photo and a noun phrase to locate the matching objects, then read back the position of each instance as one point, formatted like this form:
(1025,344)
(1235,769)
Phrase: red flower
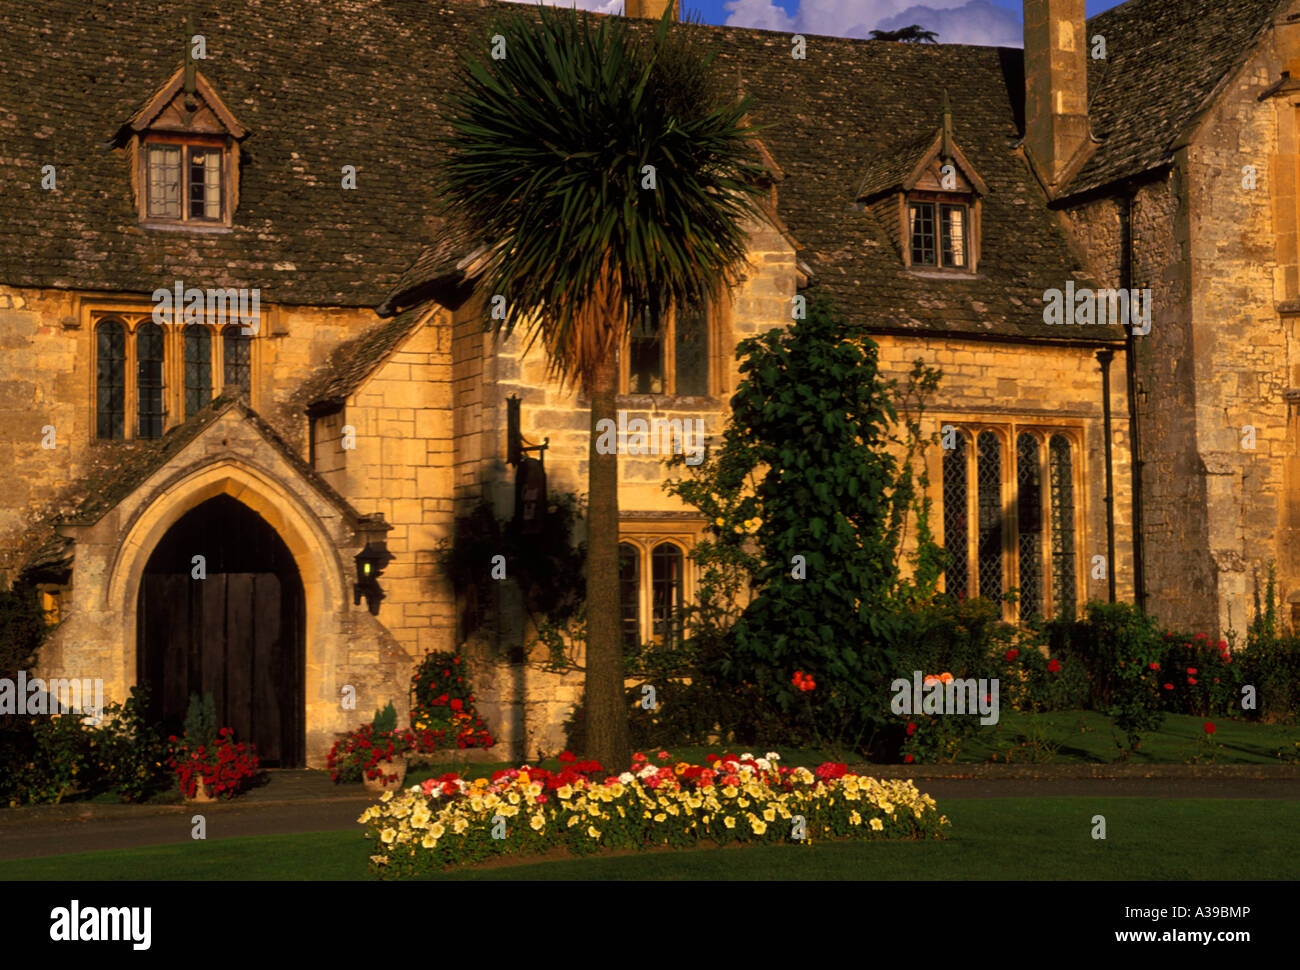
(1216,680)
(455,660)
(711,758)
(1169,686)
(1012,654)
(1153,665)
(456,704)
(567,756)
(908,759)
(1223,646)
(1192,681)
(911,727)
(638,756)
(665,756)
(1191,670)
(1053,666)
(1209,727)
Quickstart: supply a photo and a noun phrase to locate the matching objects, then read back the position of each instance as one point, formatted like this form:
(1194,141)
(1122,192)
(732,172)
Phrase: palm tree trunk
(606,707)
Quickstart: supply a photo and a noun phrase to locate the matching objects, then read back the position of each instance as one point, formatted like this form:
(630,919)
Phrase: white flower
(773,756)
(627,778)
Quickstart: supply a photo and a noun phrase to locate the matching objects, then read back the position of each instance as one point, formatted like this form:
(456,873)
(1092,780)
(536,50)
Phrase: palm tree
(913,34)
(607,176)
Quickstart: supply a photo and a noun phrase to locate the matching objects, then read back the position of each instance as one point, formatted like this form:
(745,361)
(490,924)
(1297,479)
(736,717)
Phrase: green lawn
(992,838)
(1068,737)
(1087,737)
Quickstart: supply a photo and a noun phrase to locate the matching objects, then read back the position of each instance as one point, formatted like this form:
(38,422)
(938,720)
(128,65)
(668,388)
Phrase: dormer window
(928,196)
(183,182)
(938,234)
(186,146)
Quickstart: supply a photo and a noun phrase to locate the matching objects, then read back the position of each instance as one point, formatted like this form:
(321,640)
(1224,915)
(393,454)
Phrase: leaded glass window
(235,345)
(205,183)
(989,552)
(692,351)
(921,223)
(198,368)
(1029,515)
(646,356)
(164,169)
(1061,475)
(110,380)
(149,380)
(629,582)
(666,588)
(956,525)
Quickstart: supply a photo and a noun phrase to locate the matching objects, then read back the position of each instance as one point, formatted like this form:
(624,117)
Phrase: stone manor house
(938,194)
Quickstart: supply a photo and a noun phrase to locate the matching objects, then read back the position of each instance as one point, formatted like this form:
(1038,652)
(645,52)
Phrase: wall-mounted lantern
(371,562)
(530,473)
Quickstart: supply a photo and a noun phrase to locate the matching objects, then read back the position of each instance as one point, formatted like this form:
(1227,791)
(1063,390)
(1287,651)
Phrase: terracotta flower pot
(388,768)
(202,794)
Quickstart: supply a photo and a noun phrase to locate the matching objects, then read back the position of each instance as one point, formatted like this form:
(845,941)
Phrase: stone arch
(314,552)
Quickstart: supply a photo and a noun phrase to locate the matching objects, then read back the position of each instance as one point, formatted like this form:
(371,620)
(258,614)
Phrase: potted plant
(374,754)
(208,763)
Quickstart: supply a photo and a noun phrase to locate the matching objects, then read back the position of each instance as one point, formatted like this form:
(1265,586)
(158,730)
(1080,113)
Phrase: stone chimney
(1056,85)
(650,9)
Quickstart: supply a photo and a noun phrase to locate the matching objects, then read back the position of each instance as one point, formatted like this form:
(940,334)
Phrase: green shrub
(385,720)
(200,724)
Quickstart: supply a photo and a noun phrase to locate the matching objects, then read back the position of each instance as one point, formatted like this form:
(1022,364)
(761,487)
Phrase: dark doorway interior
(237,634)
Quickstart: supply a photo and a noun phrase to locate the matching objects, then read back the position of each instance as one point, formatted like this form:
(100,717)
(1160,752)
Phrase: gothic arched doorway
(237,633)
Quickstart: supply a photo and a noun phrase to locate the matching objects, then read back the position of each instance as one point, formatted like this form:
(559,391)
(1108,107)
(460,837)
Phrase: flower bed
(450,821)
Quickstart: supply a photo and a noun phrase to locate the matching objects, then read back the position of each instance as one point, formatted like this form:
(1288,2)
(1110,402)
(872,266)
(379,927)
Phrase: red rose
(456,704)
(455,660)
(911,727)
(1192,681)
(1223,645)
(908,759)
(1154,666)
(1209,727)
(1191,670)
(1169,686)
(1012,654)
(1053,666)
(638,756)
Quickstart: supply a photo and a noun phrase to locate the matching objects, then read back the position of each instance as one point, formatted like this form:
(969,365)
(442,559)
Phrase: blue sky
(995,22)
(956,21)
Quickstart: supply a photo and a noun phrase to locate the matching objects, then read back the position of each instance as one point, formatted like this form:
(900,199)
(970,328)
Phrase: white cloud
(955,21)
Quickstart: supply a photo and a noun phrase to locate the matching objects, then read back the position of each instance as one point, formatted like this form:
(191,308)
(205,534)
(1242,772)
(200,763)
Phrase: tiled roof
(1165,60)
(351,363)
(98,492)
(329,83)
(319,84)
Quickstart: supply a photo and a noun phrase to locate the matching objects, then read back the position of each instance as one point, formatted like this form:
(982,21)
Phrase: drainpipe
(1134,431)
(1104,358)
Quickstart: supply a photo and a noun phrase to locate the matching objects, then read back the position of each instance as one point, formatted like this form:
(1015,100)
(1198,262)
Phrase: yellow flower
(537,822)
(387,836)
(565,792)
(758,826)
(459,826)
(877,824)
(730,791)
(428,841)
(718,521)
(660,817)
(593,831)
(729,822)
(770,814)
(855,818)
